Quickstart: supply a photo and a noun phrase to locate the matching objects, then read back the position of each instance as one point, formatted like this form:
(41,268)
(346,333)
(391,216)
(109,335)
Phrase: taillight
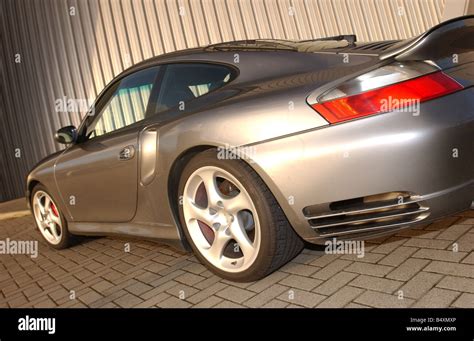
(339,105)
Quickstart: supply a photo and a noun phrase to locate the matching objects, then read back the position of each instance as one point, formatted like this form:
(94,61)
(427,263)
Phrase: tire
(64,239)
(270,243)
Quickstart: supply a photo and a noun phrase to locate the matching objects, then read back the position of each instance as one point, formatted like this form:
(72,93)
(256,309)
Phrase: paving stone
(464,301)
(408,269)
(398,256)
(275,304)
(195,268)
(466,242)
(453,232)
(299,269)
(189,278)
(335,283)
(376,283)
(304,258)
(128,300)
(367,258)
(17,302)
(182,291)
(457,284)
(341,298)
(153,301)
(102,286)
(428,243)
(437,298)
(265,296)
(201,295)
(173,302)
(301,298)
(460,270)
(444,255)
(469,259)
(300,282)
(331,269)
(89,297)
(227,304)
(207,282)
(356,305)
(268,281)
(159,289)
(369,269)
(323,260)
(382,300)
(420,284)
(234,294)
(209,302)
(138,288)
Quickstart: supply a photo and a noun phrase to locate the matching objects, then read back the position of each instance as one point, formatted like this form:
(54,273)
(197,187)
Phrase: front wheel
(232,221)
(49,219)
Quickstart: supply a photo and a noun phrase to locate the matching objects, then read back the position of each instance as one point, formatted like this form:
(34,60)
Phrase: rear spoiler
(447,44)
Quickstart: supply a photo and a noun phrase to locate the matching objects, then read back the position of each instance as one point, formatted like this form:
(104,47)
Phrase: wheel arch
(174,177)
(30,186)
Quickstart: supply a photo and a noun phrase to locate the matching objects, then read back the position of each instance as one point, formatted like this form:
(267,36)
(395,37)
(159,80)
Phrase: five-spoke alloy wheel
(49,220)
(221,219)
(231,219)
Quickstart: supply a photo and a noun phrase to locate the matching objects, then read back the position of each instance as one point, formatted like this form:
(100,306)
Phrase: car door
(98,176)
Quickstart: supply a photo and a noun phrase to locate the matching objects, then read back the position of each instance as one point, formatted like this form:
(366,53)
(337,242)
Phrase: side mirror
(66,135)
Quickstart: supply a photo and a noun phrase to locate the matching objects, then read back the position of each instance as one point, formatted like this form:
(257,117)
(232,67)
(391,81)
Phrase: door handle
(127,153)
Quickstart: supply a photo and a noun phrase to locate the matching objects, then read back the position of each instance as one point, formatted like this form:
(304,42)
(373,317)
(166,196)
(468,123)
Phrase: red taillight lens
(376,101)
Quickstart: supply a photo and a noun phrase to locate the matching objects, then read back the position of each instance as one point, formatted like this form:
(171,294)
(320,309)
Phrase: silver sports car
(241,151)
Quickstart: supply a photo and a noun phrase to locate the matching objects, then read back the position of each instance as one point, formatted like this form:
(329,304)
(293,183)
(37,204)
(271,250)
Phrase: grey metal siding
(75,56)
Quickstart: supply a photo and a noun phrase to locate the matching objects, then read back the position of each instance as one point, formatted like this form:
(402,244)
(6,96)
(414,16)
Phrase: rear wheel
(232,221)
(49,219)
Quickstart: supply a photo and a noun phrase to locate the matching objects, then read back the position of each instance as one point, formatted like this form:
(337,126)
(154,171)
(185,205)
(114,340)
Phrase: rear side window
(185,82)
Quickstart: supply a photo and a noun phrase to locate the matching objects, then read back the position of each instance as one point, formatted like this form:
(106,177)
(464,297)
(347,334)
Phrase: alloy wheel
(47,217)
(221,219)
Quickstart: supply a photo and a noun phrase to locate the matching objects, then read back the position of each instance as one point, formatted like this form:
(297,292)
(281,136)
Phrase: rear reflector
(399,96)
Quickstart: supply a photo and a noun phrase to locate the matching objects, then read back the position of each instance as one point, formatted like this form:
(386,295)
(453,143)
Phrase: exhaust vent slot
(358,215)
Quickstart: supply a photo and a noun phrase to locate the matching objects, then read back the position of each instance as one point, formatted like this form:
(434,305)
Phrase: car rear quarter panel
(395,151)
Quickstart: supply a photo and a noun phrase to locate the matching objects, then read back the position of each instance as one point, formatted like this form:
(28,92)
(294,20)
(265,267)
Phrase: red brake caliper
(55,210)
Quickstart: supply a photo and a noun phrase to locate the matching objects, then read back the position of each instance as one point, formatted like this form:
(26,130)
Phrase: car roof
(224,52)
(252,45)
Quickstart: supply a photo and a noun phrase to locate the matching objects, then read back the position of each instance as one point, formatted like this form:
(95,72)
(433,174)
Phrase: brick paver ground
(424,267)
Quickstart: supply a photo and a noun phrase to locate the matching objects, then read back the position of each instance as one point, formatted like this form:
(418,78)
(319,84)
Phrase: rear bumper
(429,157)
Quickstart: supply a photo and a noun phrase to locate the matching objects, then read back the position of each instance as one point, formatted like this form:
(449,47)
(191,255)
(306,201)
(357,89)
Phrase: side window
(186,81)
(127,104)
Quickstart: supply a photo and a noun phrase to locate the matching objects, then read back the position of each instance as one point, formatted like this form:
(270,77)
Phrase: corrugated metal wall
(56,49)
